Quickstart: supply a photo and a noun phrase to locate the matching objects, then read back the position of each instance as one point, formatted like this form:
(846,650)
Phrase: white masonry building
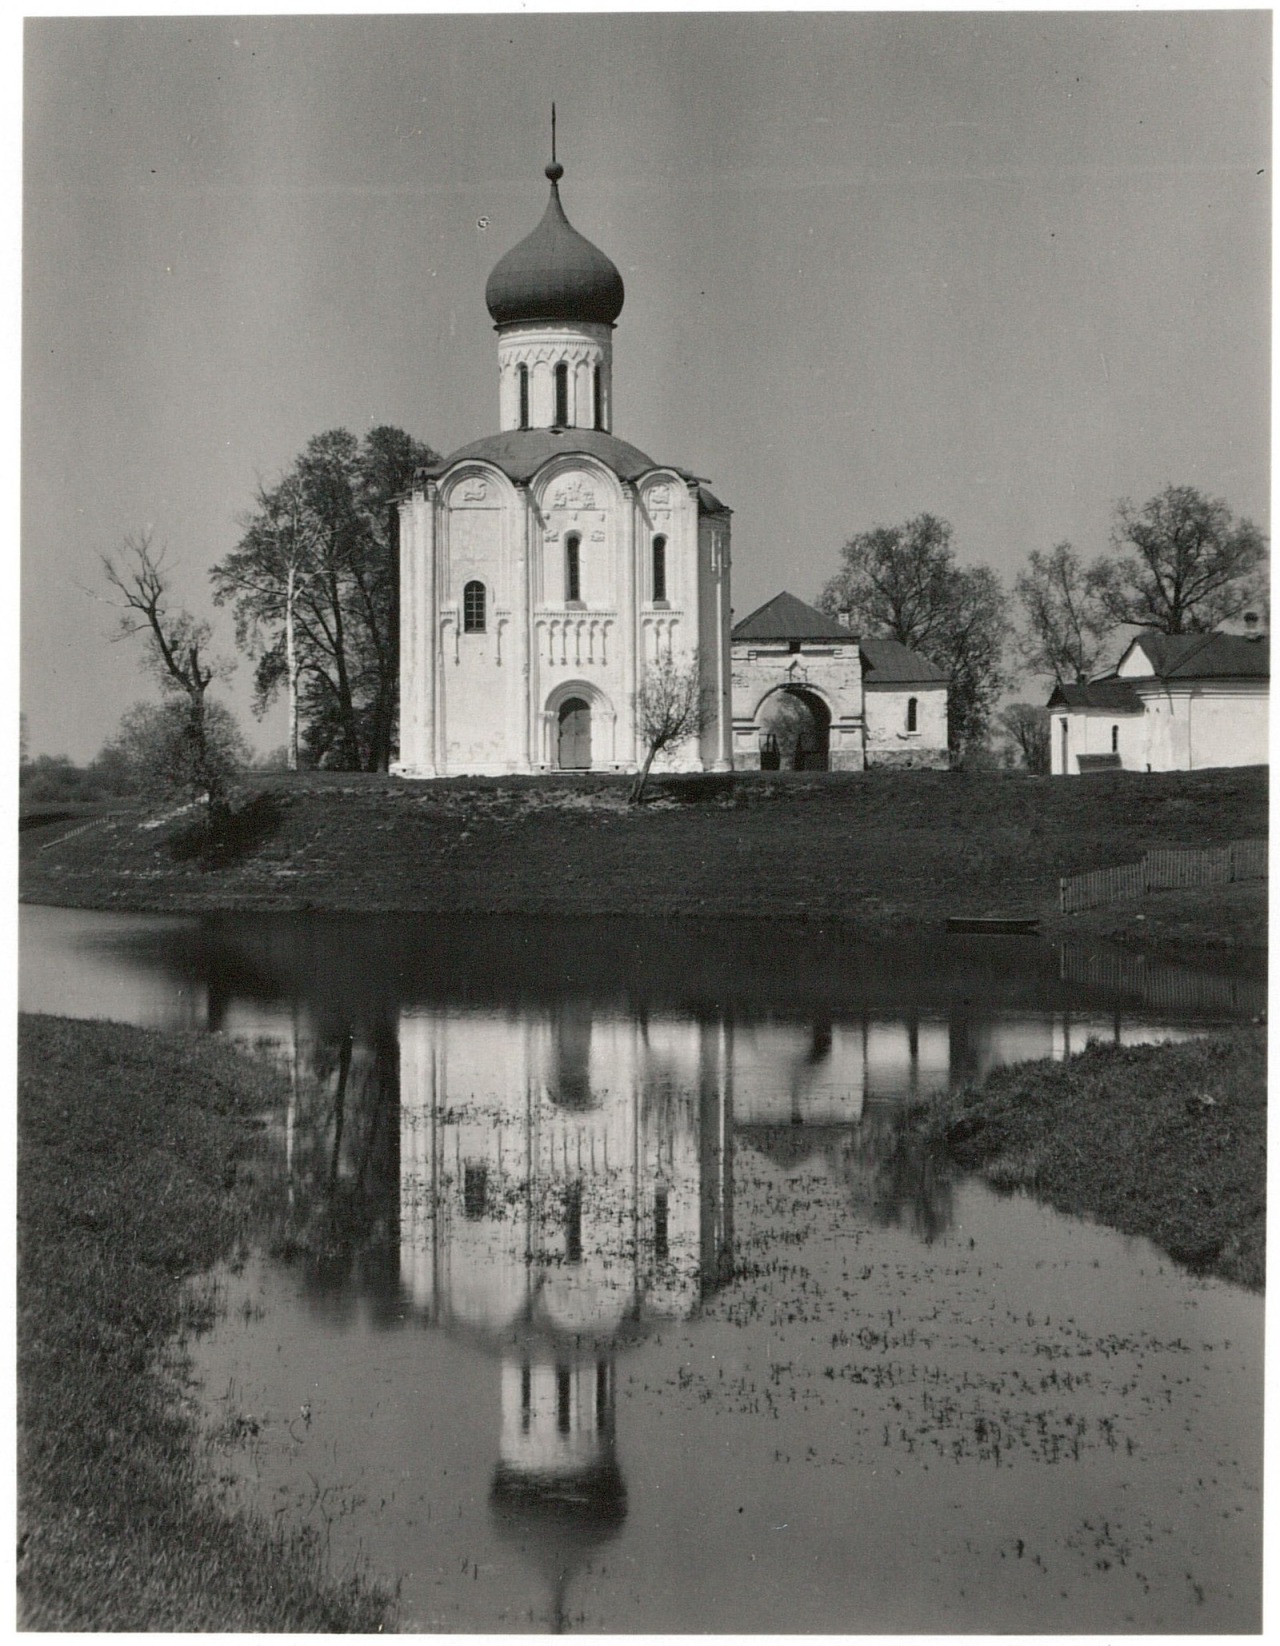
(543,568)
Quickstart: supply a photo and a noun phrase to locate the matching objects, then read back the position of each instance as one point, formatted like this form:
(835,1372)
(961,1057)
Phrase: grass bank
(883,850)
(1164,1141)
(135,1171)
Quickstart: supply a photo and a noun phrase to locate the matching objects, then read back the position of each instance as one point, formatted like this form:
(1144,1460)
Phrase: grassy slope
(885,849)
(1163,1141)
(134,1173)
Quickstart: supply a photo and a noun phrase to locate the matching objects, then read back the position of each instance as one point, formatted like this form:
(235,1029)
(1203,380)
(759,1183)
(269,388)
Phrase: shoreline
(119,1520)
(883,853)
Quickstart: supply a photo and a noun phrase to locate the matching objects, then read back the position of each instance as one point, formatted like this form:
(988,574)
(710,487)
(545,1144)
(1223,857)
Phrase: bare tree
(671,705)
(1027,727)
(177,654)
(1064,623)
(1183,563)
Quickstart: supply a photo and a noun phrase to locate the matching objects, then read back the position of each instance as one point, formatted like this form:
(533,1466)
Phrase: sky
(1003,267)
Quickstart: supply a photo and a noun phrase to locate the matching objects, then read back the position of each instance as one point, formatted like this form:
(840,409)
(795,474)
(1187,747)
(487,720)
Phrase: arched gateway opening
(795,731)
(573,747)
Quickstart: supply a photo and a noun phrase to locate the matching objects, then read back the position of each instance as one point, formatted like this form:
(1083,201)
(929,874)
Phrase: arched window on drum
(473,608)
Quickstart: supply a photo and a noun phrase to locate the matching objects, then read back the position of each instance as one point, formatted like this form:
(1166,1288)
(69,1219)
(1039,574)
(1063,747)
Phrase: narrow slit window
(474,1190)
(564,1399)
(659,568)
(522,378)
(911,714)
(598,396)
(562,395)
(473,608)
(526,1396)
(573,1223)
(661,1249)
(1115,739)
(573,567)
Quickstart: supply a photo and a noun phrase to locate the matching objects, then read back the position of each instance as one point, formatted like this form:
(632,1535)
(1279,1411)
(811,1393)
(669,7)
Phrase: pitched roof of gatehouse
(890,663)
(786,618)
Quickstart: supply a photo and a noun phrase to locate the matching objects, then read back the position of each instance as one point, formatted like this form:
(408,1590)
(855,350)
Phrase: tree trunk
(291,658)
(636,796)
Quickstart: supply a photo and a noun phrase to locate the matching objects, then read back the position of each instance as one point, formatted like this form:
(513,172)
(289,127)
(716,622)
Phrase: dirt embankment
(883,850)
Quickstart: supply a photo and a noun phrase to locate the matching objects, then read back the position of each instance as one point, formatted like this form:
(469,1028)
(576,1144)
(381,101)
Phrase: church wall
(481,518)
(889,743)
(714,648)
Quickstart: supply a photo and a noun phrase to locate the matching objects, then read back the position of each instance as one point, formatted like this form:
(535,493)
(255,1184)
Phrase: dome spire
(554,171)
(554,274)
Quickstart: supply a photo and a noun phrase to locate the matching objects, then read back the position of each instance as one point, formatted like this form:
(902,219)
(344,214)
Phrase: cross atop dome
(555,273)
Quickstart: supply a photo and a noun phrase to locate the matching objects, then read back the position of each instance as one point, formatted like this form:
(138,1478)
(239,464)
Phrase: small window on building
(522,378)
(661,1249)
(564,1399)
(1115,739)
(573,567)
(473,600)
(912,708)
(474,1189)
(562,395)
(573,1223)
(598,397)
(659,568)
(793,645)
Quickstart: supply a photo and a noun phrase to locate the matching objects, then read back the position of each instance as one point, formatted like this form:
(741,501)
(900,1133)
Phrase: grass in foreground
(1164,1141)
(135,1171)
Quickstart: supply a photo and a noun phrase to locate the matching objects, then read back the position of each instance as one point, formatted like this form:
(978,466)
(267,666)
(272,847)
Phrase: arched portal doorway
(573,747)
(795,730)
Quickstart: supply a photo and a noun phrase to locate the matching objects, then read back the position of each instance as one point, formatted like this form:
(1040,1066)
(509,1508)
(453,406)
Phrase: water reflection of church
(565,1183)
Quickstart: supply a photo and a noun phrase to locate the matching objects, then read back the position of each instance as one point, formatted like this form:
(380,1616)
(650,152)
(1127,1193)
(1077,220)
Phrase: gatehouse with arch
(810,695)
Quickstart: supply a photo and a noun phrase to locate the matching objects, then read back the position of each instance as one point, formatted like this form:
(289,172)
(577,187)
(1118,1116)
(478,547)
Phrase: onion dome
(554,274)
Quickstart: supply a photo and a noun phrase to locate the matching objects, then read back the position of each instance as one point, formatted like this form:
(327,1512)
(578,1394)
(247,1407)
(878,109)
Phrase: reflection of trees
(889,1175)
(345,1142)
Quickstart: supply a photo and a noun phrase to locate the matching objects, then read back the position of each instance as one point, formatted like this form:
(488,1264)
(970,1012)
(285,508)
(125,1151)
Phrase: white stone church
(545,567)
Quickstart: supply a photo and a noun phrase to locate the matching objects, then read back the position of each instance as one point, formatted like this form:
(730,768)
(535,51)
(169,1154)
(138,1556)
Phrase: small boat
(1000,925)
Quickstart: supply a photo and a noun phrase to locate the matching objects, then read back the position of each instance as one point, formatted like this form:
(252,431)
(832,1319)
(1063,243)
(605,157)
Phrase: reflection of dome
(558,1520)
(555,273)
(574,1511)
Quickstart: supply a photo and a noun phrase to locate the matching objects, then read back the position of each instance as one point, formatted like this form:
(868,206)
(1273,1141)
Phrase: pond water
(608,1293)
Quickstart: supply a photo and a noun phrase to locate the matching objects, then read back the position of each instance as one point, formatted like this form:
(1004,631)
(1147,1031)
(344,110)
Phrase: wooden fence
(1163,870)
(1162,986)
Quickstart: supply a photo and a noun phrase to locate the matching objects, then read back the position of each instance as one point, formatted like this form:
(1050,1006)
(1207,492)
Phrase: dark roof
(520,453)
(1212,656)
(555,273)
(889,662)
(1112,695)
(786,618)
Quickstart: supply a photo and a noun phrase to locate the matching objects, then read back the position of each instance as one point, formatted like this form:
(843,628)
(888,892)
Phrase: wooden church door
(575,736)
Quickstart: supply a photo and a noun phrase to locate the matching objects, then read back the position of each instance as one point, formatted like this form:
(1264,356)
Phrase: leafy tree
(153,751)
(1064,623)
(903,582)
(1027,727)
(670,706)
(177,654)
(1182,563)
(314,586)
